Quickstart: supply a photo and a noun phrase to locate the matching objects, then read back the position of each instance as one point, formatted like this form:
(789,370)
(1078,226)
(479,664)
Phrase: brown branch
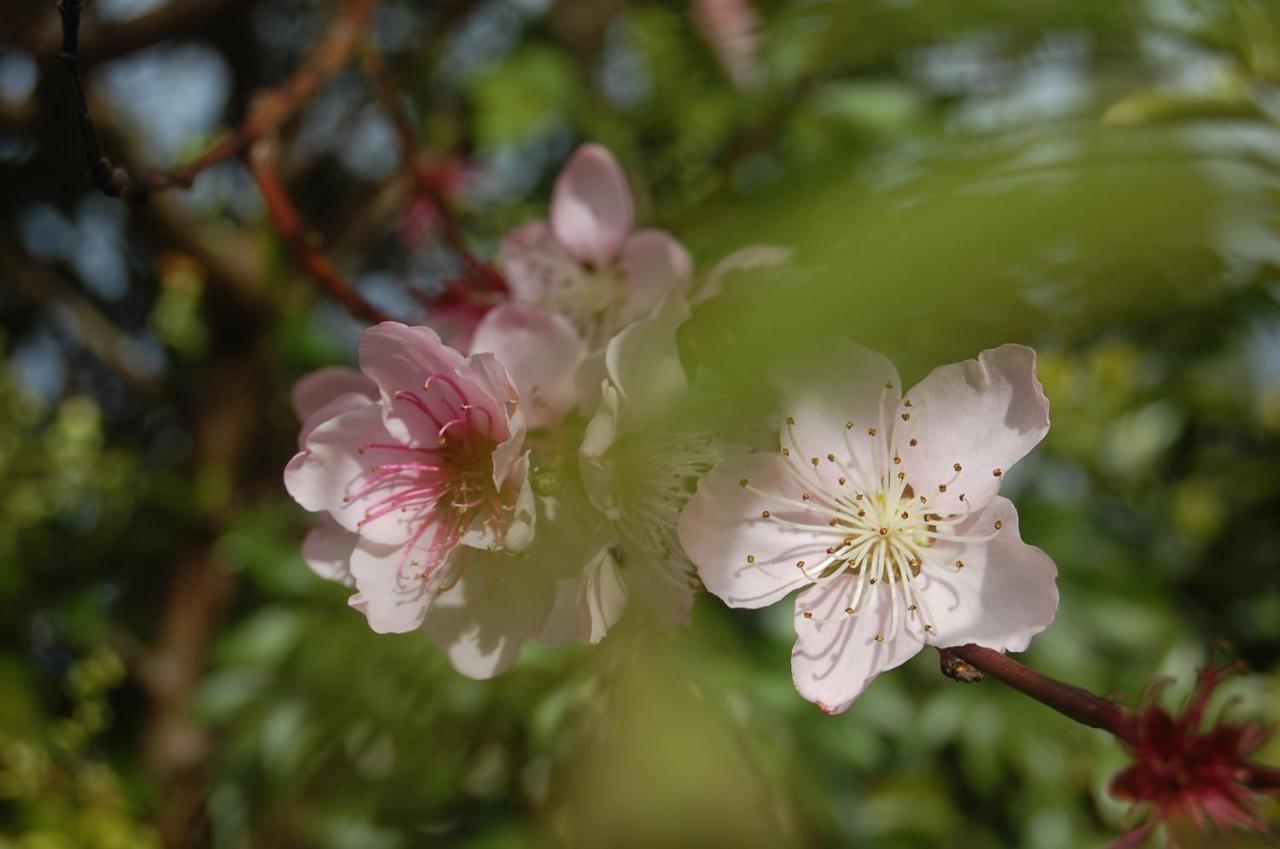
(268,112)
(1070,701)
(112,39)
(318,266)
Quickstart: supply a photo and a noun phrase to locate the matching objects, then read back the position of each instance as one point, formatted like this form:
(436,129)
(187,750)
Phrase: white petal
(602,597)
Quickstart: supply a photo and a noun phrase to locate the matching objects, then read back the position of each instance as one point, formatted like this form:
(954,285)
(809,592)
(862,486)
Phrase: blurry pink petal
(748,558)
(981,415)
(839,653)
(322,386)
(327,550)
(1003,594)
(743,259)
(643,362)
(482,620)
(732,28)
(654,265)
(602,597)
(541,351)
(591,207)
(536,265)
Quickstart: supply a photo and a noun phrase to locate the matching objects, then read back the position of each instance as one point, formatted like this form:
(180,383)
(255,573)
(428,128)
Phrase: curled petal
(602,596)
(1003,596)
(983,415)
(837,654)
(654,266)
(743,259)
(591,207)
(643,362)
(397,357)
(541,351)
(743,557)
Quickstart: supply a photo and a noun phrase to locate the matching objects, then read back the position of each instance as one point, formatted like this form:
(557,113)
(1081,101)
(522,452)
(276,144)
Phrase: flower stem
(1070,701)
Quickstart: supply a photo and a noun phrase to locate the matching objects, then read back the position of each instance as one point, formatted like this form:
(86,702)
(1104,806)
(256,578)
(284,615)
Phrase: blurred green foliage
(1096,179)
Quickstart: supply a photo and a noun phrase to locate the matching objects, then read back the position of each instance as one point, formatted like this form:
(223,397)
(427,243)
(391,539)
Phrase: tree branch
(318,266)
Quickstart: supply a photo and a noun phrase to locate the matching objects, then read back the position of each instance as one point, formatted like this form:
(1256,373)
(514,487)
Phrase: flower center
(592,300)
(881,530)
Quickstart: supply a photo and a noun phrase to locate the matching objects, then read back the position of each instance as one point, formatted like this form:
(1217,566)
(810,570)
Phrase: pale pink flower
(416,458)
(639,472)
(884,510)
(579,279)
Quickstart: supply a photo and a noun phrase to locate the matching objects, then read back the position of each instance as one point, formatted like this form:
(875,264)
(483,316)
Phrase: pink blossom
(417,457)
(586,271)
(884,510)
(733,28)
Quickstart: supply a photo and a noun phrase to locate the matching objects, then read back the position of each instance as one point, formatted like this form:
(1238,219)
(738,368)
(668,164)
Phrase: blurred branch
(318,266)
(268,112)
(112,39)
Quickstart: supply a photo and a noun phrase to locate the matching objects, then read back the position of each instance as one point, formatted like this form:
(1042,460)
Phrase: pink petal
(842,406)
(836,655)
(334,466)
(602,596)
(745,559)
(393,595)
(334,408)
(536,265)
(482,620)
(398,357)
(541,351)
(1004,595)
(983,414)
(591,208)
(320,387)
(654,265)
(327,550)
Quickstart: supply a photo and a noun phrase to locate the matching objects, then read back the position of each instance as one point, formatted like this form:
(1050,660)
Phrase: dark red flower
(457,307)
(1187,775)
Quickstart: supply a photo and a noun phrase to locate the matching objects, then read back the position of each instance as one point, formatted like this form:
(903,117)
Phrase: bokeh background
(1096,178)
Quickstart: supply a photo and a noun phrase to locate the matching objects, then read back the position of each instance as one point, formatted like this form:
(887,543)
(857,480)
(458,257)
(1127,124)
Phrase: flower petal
(843,408)
(743,259)
(392,598)
(327,550)
(654,265)
(331,410)
(983,414)
(397,357)
(591,207)
(745,559)
(541,351)
(322,386)
(1004,595)
(536,265)
(643,362)
(336,464)
(482,620)
(602,596)
(837,655)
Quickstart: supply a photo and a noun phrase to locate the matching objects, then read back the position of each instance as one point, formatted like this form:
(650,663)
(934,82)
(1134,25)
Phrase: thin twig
(284,214)
(268,112)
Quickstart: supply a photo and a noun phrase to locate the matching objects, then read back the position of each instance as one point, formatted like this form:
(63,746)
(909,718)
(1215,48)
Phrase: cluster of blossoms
(533,487)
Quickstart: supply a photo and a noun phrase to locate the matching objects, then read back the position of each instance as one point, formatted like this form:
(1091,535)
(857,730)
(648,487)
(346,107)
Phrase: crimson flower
(1186,775)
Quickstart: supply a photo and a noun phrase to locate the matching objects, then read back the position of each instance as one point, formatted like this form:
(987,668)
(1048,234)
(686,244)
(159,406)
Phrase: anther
(906,515)
(848,611)
(831,458)
(884,532)
(833,523)
(942,487)
(902,476)
(862,513)
(808,614)
(751,558)
(911,608)
(999,525)
(897,461)
(804,496)
(814,461)
(906,402)
(913,443)
(871,580)
(843,481)
(743,483)
(799,564)
(879,638)
(764,514)
(959,564)
(956,467)
(888,384)
(786,452)
(996,472)
(906,417)
(871,431)
(848,425)
(790,420)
